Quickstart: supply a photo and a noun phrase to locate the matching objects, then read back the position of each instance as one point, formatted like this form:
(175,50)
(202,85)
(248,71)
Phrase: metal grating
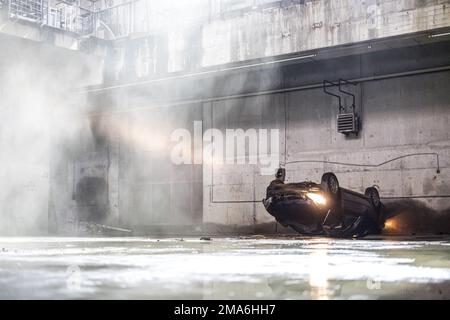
(31,10)
(347,123)
(65,15)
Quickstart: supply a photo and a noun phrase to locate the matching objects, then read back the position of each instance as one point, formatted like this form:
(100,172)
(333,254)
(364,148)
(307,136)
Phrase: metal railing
(30,10)
(64,16)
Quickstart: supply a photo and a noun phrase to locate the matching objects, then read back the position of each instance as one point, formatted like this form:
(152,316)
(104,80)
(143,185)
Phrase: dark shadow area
(92,199)
(415,217)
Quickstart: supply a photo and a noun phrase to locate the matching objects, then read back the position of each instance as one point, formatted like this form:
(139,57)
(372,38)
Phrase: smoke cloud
(415,217)
(42,119)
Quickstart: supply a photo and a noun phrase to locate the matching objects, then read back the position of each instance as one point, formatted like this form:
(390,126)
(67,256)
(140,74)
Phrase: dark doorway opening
(92,199)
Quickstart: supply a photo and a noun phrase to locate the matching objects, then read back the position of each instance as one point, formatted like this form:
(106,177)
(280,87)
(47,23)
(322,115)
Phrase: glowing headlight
(317,198)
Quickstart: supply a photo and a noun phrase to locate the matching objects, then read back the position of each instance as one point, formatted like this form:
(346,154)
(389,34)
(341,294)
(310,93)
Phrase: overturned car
(324,209)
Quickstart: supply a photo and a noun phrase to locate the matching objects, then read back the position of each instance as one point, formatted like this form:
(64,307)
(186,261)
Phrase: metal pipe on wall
(283,90)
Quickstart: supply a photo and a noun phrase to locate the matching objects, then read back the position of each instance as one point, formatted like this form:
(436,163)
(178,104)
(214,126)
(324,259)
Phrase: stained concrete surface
(224,268)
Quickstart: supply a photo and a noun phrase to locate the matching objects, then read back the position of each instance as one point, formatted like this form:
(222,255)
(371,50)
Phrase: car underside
(324,209)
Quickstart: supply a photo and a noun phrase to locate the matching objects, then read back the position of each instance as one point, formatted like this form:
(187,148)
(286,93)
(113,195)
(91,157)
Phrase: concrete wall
(236,31)
(41,125)
(125,139)
(314,25)
(401,115)
(153,190)
(402,98)
(158,38)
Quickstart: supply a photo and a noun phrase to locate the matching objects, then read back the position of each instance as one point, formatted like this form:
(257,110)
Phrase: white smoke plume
(40,117)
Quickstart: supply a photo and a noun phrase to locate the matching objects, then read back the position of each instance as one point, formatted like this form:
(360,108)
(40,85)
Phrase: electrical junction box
(348,123)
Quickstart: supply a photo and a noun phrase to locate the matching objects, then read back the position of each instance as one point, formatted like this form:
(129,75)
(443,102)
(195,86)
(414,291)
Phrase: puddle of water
(142,268)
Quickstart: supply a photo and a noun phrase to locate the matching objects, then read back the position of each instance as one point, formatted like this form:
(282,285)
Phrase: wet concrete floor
(224,268)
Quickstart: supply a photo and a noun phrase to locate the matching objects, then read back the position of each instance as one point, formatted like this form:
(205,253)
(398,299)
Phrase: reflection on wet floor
(135,268)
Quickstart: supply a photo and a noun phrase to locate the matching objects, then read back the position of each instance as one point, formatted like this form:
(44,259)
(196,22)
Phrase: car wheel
(374,196)
(330,183)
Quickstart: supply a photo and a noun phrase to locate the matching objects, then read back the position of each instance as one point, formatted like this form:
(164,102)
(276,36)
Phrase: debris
(105,227)
(94,228)
(206,238)
(253,237)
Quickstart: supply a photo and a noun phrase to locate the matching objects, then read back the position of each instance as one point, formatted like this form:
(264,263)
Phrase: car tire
(374,196)
(330,183)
